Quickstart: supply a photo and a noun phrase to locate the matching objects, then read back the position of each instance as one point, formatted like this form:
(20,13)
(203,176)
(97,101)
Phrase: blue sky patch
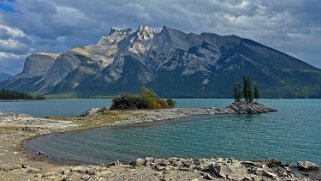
(6,5)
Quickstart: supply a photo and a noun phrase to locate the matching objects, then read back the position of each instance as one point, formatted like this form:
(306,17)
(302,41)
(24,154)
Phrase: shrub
(146,100)
(125,101)
(170,103)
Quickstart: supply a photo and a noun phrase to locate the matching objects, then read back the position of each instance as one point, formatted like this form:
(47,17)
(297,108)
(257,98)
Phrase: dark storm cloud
(291,26)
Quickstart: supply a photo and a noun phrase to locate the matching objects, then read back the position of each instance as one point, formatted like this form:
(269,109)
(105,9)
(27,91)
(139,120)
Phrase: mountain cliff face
(173,63)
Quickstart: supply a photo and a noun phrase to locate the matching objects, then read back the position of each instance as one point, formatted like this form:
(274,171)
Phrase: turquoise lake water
(291,134)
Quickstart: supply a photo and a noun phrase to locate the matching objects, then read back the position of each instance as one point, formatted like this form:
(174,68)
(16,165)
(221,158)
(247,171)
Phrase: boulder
(232,170)
(138,162)
(32,170)
(268,174)
(91,111)
(9,167)
(113,164)
(307,166)
(272,163)
(216,170)
(85,177)
(79,169)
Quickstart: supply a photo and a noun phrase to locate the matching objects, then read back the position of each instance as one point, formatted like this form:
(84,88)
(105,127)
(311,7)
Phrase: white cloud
(11,44)
(6,55)
(14,32)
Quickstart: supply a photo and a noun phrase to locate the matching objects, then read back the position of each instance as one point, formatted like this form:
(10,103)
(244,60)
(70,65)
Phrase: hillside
(171,62)
(4,76)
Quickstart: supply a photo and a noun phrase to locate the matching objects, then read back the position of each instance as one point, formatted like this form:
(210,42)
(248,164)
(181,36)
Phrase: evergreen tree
(14,95)
(256,93)
(245,89)
(250,94)
(237,93)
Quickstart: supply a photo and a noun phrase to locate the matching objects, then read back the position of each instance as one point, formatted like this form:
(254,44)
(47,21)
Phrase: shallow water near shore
(291,134)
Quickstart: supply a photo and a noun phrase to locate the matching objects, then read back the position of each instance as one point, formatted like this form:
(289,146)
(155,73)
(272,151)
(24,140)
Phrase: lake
(291,134)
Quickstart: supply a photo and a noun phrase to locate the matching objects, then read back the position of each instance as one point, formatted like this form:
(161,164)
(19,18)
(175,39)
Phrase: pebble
(85,177)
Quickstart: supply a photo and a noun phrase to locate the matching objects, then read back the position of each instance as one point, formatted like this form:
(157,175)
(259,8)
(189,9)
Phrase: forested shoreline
(6,94)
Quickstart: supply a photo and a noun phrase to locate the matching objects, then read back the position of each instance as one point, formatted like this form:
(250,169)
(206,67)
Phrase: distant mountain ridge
(173,63)
(4,76)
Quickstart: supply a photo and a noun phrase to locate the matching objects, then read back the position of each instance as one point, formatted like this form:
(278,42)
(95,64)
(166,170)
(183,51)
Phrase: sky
(31,26)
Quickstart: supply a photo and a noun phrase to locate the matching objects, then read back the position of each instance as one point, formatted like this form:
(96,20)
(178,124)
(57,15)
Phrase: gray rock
(32,170)
(272,163)
(268,174)
(208,177)
(138,162)
(85,177)
(160,168)
(61,171)
(50,174)
(115,163)
(215,170)
(249,163)
(79,169)
(91,111)
(307,166)
(90,172)
(24,165)
(9,167)
(148,161)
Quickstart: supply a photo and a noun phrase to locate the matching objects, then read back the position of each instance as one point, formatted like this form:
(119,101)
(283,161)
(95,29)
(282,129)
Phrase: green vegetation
(237,92)
(14,95)
(247,91)
(256,93)
(146,100)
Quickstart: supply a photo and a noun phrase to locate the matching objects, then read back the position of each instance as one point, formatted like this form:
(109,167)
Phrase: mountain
(4,76)
(173,63)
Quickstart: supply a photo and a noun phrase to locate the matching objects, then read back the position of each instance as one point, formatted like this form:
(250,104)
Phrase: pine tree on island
(256,93)
(237,93)
(247,91)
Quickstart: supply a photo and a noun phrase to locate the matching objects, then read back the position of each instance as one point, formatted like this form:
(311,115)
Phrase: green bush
(146,100)
(171,103)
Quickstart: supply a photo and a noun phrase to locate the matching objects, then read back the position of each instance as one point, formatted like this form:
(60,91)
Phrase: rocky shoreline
(17,164)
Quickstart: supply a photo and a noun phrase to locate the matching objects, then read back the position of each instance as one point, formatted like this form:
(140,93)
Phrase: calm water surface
(291,134)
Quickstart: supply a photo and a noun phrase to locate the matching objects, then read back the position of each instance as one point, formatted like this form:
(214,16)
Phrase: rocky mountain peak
(39,63)
(171,61)
(115,36)
(116,30)
(145,33)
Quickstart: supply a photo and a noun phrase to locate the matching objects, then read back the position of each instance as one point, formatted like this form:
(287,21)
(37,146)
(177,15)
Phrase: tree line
(247,92)
(6,94)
